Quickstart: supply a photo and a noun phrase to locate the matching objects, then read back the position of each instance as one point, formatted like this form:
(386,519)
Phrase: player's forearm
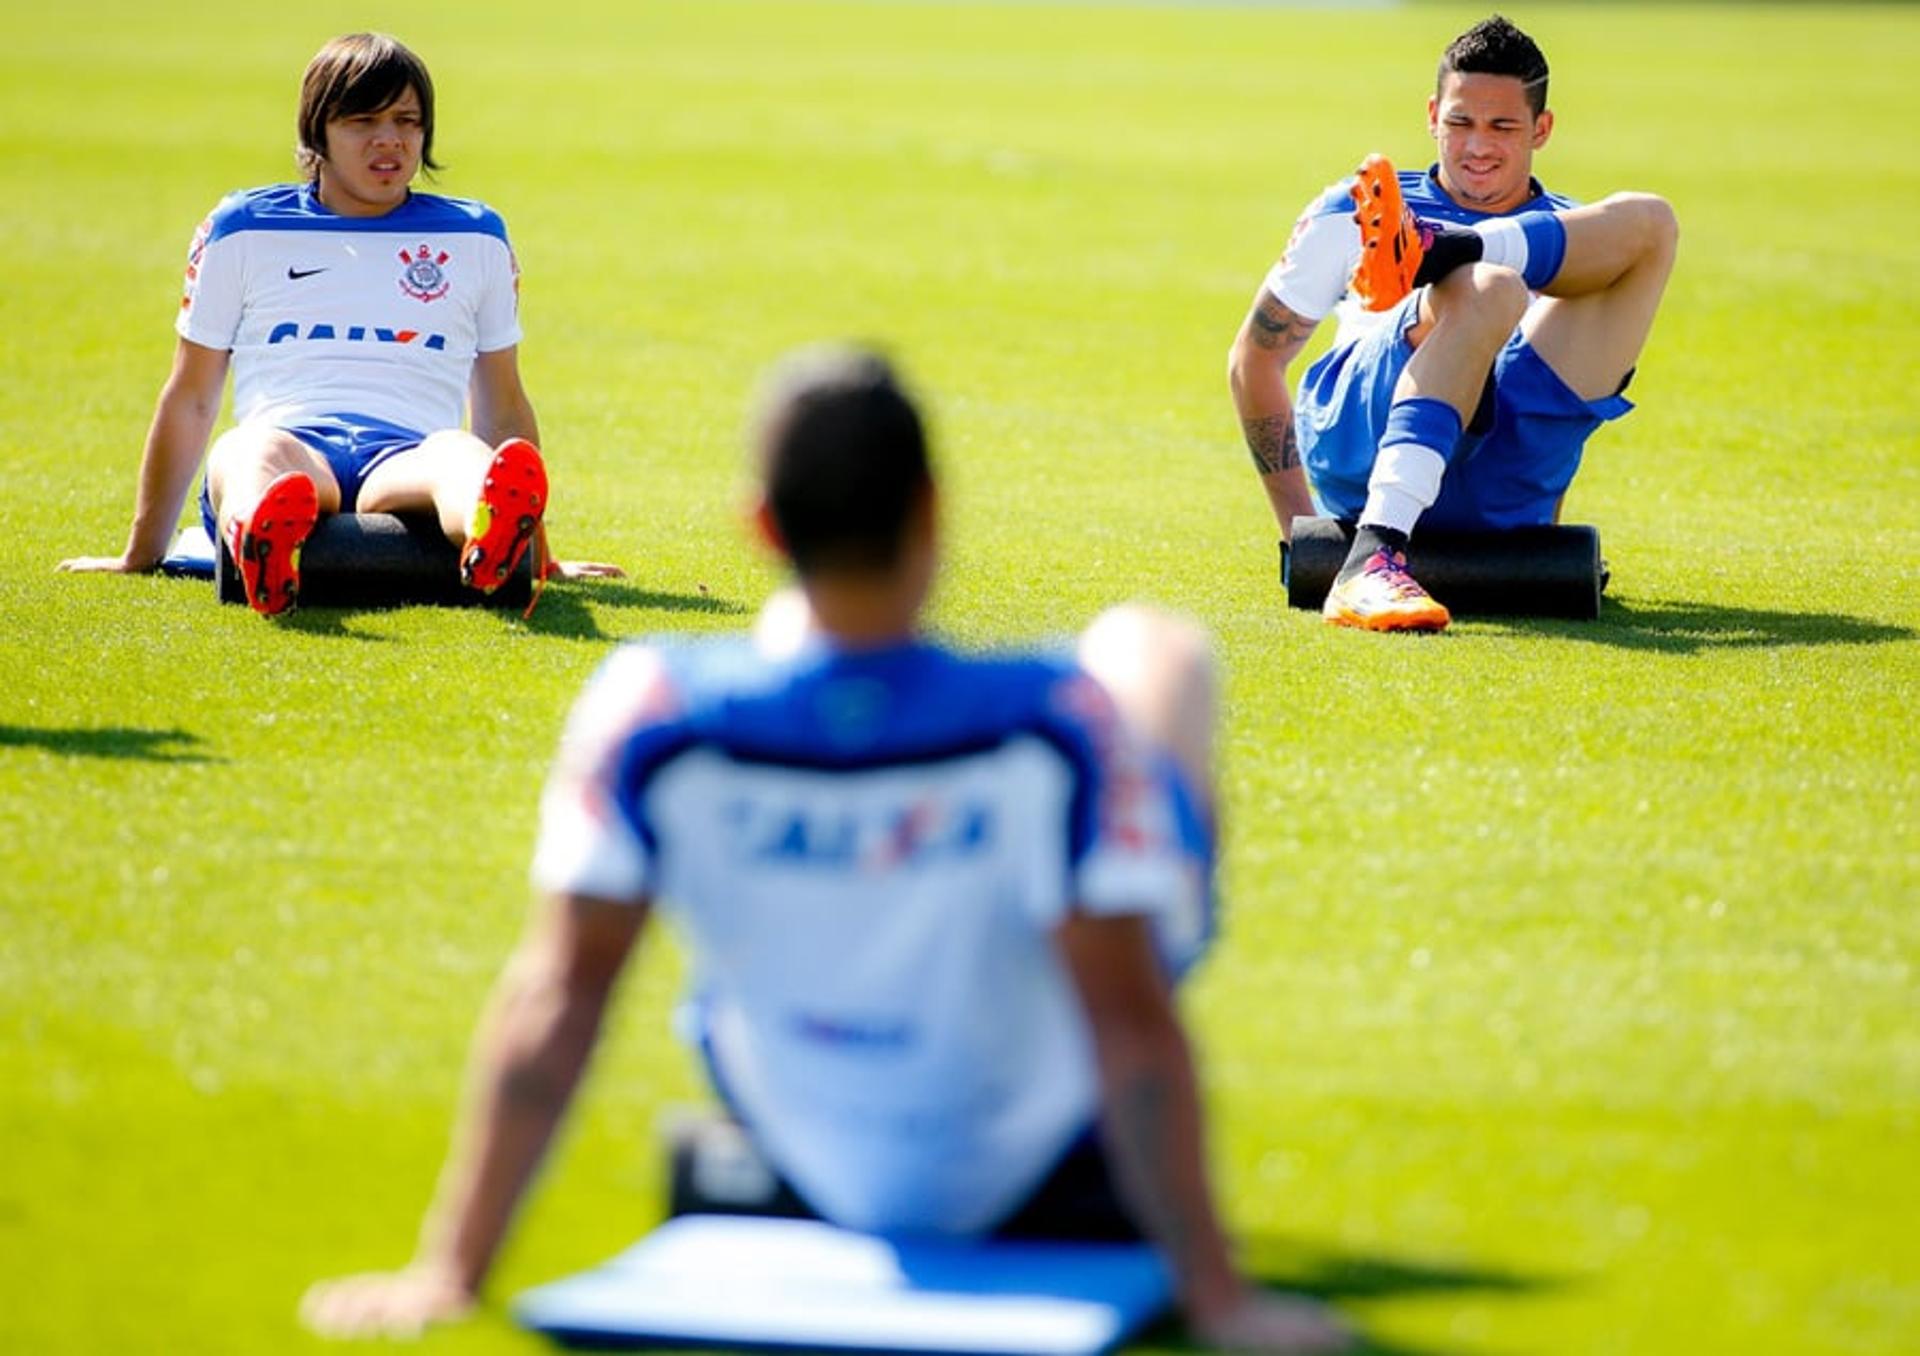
(1271,337)
(176,441)
(495,422)
(535,1044)
(1152,1125)
(1266,422)
(1276,455)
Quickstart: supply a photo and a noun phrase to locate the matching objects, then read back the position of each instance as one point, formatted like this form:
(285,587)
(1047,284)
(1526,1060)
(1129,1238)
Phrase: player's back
(868,852)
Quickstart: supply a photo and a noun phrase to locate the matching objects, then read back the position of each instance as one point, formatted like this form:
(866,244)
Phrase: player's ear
(924,518)
(1542,128)
(765,526)
(1433,115)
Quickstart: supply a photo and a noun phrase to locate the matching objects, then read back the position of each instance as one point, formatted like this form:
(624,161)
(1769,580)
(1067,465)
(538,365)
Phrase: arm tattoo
(1272,441)
(1275,325)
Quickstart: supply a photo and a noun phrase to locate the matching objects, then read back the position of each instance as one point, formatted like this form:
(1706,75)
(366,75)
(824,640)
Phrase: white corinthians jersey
(868,853)
(327,315)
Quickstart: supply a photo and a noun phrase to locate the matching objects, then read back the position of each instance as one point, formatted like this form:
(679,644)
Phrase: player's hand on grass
(120,564)
(385,1304)
(1262,1322)
(586,569)
(549,568)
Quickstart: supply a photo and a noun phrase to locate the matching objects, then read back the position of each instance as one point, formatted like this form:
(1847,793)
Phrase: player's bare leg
(490,501)
(1609,239)
(247,458)
(268,488)
(442,474)
(1601,304)
(1464,320)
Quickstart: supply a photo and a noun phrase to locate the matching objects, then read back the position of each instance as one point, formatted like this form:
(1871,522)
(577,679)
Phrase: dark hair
(1495,47)
(359,73)
(843,457)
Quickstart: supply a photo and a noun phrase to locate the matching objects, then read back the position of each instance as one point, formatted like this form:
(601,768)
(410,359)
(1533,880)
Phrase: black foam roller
(1524,571)
(383,560)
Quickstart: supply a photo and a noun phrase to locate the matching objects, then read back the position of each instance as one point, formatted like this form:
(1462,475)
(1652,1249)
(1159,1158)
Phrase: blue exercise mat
(191,554)
(778,1283)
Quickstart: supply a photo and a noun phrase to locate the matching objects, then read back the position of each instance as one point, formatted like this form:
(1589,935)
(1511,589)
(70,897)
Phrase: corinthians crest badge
(423,278)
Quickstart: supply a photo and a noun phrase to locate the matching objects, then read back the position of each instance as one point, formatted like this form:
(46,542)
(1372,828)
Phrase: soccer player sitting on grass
(1488,328)
(359,318)
(937,902)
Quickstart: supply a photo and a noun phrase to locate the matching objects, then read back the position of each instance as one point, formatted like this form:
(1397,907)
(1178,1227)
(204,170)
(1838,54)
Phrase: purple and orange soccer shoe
(1384,597)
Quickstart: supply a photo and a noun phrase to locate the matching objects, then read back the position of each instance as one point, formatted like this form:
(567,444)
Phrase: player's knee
(1160,669)
(455,450)
(1143,631)
(235,445)
(1503,294)
(245,449)
(1663,222)
(1658,225)
(451,463)
(1133,641)
(1486,295)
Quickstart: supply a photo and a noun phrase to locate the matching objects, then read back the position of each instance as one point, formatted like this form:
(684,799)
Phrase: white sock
(1404,484)
(1503,242)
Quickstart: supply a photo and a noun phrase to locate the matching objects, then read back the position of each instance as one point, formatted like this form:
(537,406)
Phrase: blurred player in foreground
(937,902)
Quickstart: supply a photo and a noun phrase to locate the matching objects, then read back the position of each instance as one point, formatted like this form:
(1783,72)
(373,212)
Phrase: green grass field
(1568,1001)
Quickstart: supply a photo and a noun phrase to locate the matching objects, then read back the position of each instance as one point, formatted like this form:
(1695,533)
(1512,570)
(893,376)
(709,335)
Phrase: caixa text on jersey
(355,334)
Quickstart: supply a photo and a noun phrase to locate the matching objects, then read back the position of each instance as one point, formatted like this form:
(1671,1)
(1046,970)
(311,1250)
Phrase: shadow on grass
(617,594)
(329,621)
(150,746)
(564,610)
(1688,628)
(1298,1269)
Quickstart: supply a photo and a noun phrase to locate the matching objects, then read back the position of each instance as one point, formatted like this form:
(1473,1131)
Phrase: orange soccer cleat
(506,517)
(1391,247)
(1384,597)
(265,544)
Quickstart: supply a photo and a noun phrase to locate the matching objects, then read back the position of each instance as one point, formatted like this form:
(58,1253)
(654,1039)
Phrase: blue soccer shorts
(354,445)
(1512,465)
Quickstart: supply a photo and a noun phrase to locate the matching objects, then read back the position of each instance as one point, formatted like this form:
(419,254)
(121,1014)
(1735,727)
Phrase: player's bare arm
(1151,1124)
(540,1028)
(1270,338)
(176,440)
(502,409)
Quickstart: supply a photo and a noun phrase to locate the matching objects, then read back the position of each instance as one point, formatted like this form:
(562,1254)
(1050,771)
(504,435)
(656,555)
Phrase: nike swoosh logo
(298,273)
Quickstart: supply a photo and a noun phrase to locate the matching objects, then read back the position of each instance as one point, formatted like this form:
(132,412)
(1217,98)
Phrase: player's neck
(340,200)
(858,619)
(861,611)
